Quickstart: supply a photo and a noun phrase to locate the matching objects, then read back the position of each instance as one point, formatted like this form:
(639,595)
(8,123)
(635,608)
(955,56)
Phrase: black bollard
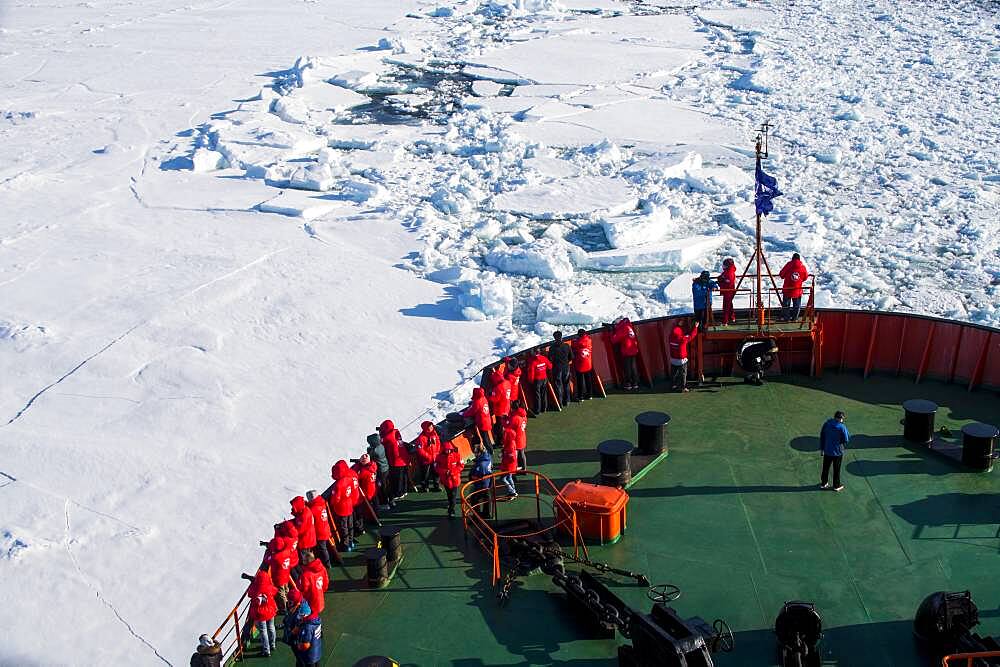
(616,467)
(651,437)
(918,426)
(977,445)
(389,538)
(378,567)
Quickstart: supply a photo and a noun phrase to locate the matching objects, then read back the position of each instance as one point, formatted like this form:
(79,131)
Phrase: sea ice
(569,198)
(581,305)
(664,256)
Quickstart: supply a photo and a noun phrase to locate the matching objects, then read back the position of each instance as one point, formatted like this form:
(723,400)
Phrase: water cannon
(799,629)
(944,622)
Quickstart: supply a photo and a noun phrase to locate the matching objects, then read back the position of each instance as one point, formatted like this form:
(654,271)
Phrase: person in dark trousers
(583,366)
(833,437)
(376,452)
(793,273)
(628,346)
(561,356)
(208,653)
(701,294)
(678,345)
(449,467)
(538,374)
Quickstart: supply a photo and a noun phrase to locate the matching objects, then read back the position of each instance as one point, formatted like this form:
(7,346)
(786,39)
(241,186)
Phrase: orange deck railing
(968,657)
(485,532)
(229,633)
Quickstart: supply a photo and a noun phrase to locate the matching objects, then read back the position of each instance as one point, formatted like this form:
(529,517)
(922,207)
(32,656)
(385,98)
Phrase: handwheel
(723,640)
(663,593)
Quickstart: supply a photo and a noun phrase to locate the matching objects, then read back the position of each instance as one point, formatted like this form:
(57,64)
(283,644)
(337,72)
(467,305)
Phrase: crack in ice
(68,541)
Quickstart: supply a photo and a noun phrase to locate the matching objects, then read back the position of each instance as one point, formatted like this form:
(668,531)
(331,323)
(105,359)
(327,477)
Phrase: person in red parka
(794,274)
(343,499)
(313,584)
(519,423)
(628,346)
(449,467)
(513,376)
(399,461)
(508,462)
(280,567)
(583,365)
(727,286)
(263,609)
(287,529)
(427,446)
(321,523)
(367,472)
(479,412)
(499,400)
(538,375)
(304,524)
(678,344)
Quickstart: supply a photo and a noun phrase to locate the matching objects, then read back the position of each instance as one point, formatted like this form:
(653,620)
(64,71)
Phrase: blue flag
(765,190)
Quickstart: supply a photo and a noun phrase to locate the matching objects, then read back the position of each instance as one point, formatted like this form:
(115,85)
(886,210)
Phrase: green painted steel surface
(734,517)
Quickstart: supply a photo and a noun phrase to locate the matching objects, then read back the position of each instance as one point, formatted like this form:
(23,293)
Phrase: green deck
(733,517)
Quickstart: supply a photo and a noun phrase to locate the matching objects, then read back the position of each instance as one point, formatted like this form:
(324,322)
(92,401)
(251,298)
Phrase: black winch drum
(389,537)
(616,468)
(652,427)
(918,425)
(978,442)
(378,567)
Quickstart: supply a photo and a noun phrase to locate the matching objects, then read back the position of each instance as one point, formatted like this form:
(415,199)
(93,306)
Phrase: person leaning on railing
(208,653)
(628,345)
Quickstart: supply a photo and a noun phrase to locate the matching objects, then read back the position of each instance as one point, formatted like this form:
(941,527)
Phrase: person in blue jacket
(701,293)
(833,437)
(307,638)
(482,468)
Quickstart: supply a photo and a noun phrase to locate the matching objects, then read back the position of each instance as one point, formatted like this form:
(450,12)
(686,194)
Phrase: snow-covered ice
(453,178)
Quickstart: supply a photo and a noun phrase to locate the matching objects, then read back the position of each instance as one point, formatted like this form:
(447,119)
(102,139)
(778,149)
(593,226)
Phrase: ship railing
(552,513)
(229,634)
(772,301)
(968,658)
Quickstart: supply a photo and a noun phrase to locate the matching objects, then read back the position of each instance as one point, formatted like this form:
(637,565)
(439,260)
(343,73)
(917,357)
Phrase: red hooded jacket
(346,490)
(321,518)
(727,280)
(500,398)
(513,378)
(519,424)
(539,367)
(508,463)
(449,467)
(624,335)
(288,530)
(428,443)
(281,562)
(313,585)
(304,523)
(583,354)
(679,342)
(367,478)
(794,274)
(261,595)
(395,448)
(479,410)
